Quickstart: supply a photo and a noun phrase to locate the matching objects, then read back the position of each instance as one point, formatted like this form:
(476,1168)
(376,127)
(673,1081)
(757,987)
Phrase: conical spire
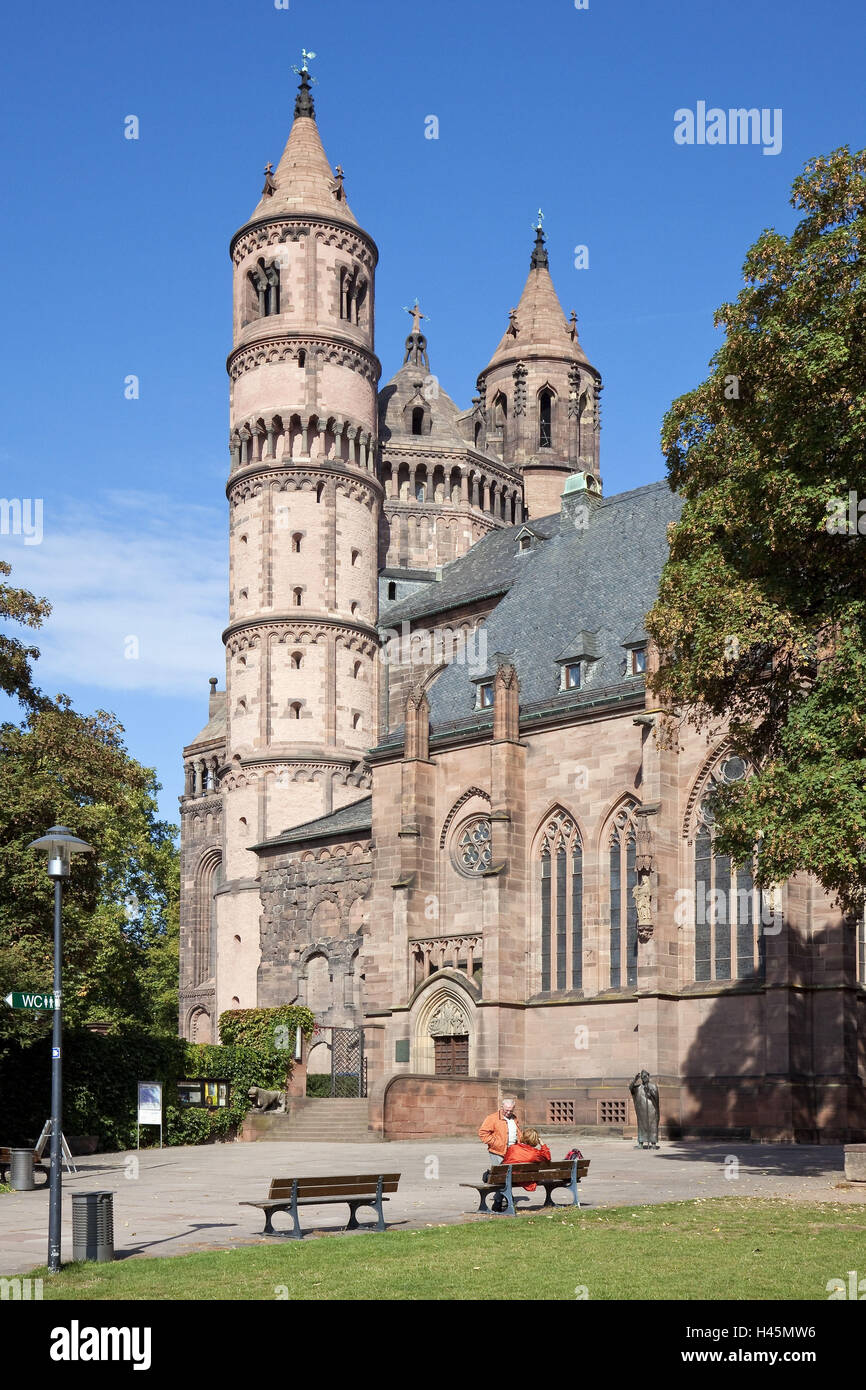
(303,181)
(538,326)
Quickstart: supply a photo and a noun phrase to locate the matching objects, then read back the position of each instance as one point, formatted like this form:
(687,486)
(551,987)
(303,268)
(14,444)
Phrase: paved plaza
(173,1201)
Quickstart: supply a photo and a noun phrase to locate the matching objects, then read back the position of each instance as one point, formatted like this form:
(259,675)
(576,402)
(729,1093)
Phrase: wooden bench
(38,1165)
(287,1194)
(505,1177)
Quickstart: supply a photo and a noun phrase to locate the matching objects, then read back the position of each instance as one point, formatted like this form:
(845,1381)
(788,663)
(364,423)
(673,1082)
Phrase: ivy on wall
(268,1029)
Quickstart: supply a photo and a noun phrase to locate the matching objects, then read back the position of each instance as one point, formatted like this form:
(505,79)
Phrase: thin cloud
(138,584)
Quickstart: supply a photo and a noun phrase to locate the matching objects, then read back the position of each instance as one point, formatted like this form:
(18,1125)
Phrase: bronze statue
(645,1094)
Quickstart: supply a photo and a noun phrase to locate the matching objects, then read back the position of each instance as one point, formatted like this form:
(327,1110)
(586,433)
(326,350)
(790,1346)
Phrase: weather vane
(539,225)
(303,68)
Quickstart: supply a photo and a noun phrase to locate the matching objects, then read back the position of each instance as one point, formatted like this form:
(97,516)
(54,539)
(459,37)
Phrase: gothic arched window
(623,909)
(561,881)
(729,943)
(208,879)
(545,416)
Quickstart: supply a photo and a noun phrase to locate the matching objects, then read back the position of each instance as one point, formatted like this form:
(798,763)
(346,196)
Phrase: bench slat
(353,1185)
(330,1193)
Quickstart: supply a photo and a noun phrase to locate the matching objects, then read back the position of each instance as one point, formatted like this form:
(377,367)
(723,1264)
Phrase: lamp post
(60,846)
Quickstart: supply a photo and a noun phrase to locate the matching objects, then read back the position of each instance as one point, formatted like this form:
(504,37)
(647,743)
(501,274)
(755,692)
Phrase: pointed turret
(538,326)
(303,181)
(539,393)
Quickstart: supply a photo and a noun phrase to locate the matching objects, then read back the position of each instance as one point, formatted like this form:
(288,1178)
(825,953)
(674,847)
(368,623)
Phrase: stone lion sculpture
(267,1100)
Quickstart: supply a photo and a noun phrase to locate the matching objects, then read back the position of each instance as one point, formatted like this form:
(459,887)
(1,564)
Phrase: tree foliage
(761,614)
(16,657)
(120,911)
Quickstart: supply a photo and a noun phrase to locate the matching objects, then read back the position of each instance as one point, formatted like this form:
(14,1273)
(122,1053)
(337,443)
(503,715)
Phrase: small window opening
(572,676)
(545,403)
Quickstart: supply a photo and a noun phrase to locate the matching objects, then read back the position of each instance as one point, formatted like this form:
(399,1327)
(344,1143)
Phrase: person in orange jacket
(500,1129)
(528,1149)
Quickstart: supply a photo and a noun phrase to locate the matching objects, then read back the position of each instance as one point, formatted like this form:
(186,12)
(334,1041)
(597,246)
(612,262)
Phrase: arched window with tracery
(729,942)
(561,890)
(623,909)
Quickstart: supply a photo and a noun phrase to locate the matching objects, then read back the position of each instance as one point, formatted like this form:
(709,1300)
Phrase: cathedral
(433,802)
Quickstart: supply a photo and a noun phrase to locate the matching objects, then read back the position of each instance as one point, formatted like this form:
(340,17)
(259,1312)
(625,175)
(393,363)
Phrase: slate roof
(347,820)
(490,567)
(600,580)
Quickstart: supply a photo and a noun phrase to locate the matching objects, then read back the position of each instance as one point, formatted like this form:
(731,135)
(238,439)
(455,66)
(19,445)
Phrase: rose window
(473,847)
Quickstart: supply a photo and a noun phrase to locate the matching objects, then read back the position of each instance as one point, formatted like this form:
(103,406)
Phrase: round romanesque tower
(304,501)
(540,396)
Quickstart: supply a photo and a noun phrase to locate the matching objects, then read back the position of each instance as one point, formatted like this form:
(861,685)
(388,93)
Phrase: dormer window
(638,661)
(418,420)
(571,675)
(524,543)
(485,695)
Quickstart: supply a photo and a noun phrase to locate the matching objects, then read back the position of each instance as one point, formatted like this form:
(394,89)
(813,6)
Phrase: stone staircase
(314,1120)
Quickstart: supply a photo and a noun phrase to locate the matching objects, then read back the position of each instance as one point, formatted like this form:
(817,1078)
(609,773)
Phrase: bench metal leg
(548,1197)
(292,1207)
(294,1234)
(509,1195)
(353,1219)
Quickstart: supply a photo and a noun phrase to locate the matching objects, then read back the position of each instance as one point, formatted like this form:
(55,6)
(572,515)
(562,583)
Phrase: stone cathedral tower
(285,742)
(541,397)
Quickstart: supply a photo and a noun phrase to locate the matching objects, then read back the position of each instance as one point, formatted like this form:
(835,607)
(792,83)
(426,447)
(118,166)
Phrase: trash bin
(93,1226)
(21,1176)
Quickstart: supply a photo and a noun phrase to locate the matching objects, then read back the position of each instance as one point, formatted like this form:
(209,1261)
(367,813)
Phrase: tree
(760,619)
(19,606)
(120,904)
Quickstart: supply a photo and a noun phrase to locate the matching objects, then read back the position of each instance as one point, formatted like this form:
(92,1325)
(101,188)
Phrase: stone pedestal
(855,1162)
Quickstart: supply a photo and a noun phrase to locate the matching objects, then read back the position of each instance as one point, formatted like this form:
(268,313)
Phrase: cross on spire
(416,343)
(417,316)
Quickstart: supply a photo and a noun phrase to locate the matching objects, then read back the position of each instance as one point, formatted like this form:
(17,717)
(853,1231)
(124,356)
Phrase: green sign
(29,1001)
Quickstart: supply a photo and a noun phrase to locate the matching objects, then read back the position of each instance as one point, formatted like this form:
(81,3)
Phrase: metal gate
(348,1063)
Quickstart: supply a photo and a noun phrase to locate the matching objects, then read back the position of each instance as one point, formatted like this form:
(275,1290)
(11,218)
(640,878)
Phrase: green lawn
(706,1249)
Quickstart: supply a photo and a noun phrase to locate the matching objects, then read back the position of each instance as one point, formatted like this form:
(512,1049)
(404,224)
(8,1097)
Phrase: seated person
(528,1149)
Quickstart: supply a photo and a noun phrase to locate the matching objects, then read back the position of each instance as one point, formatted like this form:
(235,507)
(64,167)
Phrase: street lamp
(60,846)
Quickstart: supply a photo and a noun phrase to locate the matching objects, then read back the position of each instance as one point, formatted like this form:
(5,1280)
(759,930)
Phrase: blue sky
(115,253)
